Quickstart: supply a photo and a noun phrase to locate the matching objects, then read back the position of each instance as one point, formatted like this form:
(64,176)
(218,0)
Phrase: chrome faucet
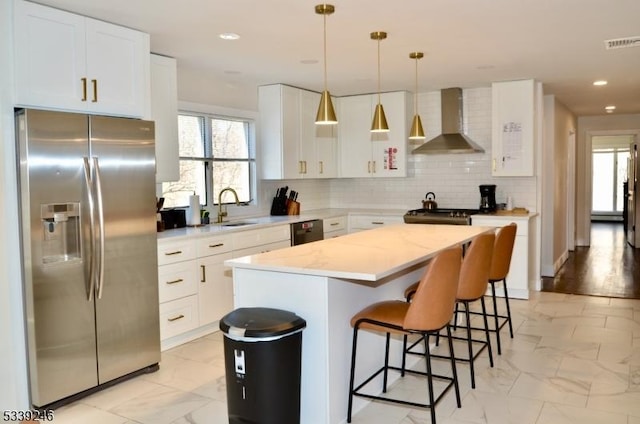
(221,213)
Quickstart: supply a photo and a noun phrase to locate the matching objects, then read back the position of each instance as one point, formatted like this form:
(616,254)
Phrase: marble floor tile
(573,359)
(563,414)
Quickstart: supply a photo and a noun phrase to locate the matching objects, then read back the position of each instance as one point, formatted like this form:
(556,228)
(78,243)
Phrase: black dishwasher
(306,232)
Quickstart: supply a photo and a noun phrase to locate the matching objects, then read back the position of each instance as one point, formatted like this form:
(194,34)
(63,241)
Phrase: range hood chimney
(452,140)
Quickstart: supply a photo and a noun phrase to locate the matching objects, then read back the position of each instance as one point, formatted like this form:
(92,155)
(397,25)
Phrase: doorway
(609,158)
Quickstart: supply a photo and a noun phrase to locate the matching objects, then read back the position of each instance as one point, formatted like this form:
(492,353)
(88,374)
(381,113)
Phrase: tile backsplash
(454,178)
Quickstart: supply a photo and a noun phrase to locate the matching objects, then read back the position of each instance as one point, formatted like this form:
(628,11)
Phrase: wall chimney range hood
(452,139)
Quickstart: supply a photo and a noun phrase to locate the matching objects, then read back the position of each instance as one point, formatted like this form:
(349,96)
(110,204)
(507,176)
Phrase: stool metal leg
(386,363)
(495,316)
(469,344)
(486,329)
(352,373)
(454,371)
(506,299)
(430,379)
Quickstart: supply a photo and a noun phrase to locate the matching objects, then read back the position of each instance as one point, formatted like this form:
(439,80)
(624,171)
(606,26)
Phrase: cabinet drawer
(334,224)
(175,251)
(177,280)
(178,316)
(367,222)
(489,221)
(262,236)
(254,250)
(207,246)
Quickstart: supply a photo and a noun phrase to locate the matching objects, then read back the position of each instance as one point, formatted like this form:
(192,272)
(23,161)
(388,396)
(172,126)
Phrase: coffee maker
(487,198)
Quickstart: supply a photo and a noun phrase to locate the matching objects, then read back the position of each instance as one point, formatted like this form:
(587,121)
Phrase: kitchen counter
(269,220)
(368,255)
(326,283)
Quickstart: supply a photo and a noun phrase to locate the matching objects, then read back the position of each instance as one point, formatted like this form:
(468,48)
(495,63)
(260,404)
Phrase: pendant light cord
(378,70)
(324,16)
(415,100)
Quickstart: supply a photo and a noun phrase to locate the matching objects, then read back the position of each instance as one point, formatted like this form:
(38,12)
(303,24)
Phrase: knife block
(293,207)
(279,206)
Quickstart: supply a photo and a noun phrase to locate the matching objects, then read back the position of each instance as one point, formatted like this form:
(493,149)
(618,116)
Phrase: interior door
(128,335)
(632,202)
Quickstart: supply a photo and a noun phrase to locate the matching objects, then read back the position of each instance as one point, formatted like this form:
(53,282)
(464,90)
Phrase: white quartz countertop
(368,255)
(268,220)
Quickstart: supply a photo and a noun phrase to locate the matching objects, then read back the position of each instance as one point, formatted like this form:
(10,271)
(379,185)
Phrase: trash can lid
(261,322)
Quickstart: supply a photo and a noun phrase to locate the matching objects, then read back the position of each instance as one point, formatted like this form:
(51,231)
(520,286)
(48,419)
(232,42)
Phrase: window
(215,153)
(609,173)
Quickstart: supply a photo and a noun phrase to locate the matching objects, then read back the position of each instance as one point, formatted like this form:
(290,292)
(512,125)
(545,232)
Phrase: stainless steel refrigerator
(633,200)
(88,227)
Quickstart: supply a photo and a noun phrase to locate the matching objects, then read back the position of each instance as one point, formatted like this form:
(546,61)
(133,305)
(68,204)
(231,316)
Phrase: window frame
(209,160)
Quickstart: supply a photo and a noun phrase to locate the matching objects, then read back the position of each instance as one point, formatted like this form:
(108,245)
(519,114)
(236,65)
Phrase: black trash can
(262,351)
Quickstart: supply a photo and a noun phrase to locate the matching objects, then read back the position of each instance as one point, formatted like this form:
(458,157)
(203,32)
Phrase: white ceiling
(467,43)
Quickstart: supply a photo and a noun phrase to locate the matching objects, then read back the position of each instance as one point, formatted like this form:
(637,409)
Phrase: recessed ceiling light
(610,108)
(229,36)
(600,82)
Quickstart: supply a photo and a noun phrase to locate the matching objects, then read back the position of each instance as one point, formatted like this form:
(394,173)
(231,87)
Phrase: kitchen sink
(238,223)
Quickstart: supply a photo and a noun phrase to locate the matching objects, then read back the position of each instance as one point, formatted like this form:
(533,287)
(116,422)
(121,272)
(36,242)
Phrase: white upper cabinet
(514,127)
(292,145)
(69,62)
(366,154)
(164,111)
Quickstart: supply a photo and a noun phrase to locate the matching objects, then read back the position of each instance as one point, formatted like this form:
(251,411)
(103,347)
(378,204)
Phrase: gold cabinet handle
(213,246)
(204,275)
(95,90)
(369,167)
(84,89)
(321,167)
(374,166)
(175,318)
(377,222)
(177,252)
(179,280)
(334,224)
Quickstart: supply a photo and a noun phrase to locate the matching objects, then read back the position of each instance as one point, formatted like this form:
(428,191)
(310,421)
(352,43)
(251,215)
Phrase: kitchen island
(326,283)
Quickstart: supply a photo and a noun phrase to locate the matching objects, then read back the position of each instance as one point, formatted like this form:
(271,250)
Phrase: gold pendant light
(379,123)
(416,133)
(326,114)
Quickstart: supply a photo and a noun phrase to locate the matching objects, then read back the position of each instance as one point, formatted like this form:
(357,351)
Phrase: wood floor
(609,267)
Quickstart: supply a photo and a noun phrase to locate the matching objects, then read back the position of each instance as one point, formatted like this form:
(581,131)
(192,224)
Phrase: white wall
(454,178)
(589,126)
(559,124)
(13,373)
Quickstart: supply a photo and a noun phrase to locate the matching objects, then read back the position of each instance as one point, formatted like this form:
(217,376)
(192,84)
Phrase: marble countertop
(368,255)
(268,220)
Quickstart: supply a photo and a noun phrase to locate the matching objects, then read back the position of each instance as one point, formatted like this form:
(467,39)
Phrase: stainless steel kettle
(430,203)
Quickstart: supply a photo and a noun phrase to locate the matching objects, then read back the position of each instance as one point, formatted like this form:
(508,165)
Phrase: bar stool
(474,277)
(430,312)
(502,253)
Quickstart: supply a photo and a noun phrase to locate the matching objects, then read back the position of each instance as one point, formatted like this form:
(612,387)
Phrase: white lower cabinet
(178,316)
(215,288)
(369,222)
(522,271)
(334,227)
(195,287)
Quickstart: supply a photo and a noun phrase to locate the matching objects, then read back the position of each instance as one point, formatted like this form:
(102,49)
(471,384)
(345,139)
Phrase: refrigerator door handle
(92,225)
(100,256)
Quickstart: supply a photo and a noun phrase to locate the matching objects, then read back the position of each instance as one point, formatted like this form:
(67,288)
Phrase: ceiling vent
(620,43)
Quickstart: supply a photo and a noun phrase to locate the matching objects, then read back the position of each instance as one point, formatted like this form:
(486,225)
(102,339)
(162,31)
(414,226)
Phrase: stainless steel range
(439,216)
